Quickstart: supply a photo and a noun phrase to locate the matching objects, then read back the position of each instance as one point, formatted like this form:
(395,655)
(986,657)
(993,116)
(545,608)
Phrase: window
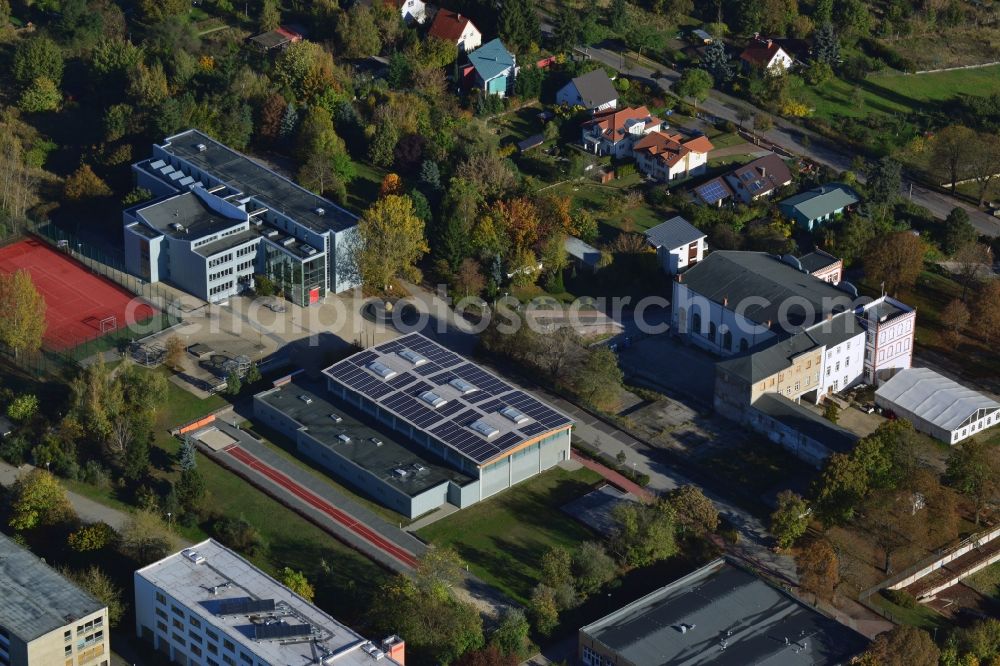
(160,598)
(744,345)
(847,361)
(176,611)
(228,644)
(727,340)
(159,613)
(711,331)
(211,634)
(178,639)
(162,627)
(68,650)
(229,660)
(212,662)
(195,638)
(67,635)
(796,387)
(179,625)
(195,650)
(213,648)
(245,658)
(838,366)
(194,622)
(696,322)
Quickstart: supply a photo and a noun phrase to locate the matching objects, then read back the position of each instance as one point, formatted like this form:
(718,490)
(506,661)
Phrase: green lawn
(364,189)
(504,537)
(518,125)
(921,616)
(600,201)
(941,86)
(986,581)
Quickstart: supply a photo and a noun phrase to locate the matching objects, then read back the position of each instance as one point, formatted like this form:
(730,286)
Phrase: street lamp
(169,514)
(46,465)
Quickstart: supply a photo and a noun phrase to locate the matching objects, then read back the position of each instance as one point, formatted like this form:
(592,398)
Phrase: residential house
(678,244)
(46,619)
(767,55)
(937,405)
(584,255)
(276,39)
(819,204)
(615,132)
(701,36)
(760,178)
(823,266)
(665,157)
(889,329)
(593,91)
(454,27)
(492,69)
(411,11)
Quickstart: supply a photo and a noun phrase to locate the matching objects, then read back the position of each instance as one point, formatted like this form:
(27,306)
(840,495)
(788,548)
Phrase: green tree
(693,510)
(41,95)
(519,26)
(296,582)
(957,231)
(391,241)
(270,15)
(156,11)
(950,149)
(598,380)
(238,534)
(23,323)
(101,587)
(885,179)
(694,84)
(544,609)
(37,58)
(645,534)
(717,63)
(233,383)
(826,46)
(89,538)
(643,35)
(973,468)
(618,16)
(790,519)
(358,33)
(37,499)
(22,408)
(190,489)
(511,634)
(593,568)
(981,640)
(839,489)
(439,570)
(831,411)
(568,29)
(556,566)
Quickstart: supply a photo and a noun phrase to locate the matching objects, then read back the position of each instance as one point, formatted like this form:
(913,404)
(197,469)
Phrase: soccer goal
(108,324)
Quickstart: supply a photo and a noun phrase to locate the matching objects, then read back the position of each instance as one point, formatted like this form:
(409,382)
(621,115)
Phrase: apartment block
(207,606)
(46,620)
(219,219)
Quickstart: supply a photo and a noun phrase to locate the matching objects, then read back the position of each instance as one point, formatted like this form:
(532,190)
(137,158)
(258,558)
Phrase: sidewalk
(614,477)
(87,509)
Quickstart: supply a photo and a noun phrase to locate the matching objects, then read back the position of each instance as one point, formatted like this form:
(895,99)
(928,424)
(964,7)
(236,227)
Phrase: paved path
(87,509)
(613,477)
(792,137)
(318,501)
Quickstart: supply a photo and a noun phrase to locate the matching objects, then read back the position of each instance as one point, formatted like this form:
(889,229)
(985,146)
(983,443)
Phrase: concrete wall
(804,448)
(966,546)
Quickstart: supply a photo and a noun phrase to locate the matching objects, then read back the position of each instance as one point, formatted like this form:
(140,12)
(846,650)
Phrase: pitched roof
(491,59)
(675,232)
(714,191)
(763,175)
(817,260)
(934,398)
(821,201)
(34,598)
(761,53)
(449,25)
(579,249)
(671,148)
(732,277)
(595,88)
(614,124)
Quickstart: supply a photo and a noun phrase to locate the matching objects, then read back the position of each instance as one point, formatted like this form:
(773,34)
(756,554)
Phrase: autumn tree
(839,488)
(391,184)
(544,609)
(101,587)
(790,519)
(904,645)
(895,261)
(986,312)
(973,468)
(891,520)
(974,262)
(146,538)
(297,582)
(982,160)
(950,151)
(511,636)
(955,316)
(23,323)
(85,184)
(37,499)
(694,511)
(469,280)
(818,568)
(174,353)
(95,536)
(391,242)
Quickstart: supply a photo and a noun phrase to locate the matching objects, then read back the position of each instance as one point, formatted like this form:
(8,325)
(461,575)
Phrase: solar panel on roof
(277,631)
(246,606)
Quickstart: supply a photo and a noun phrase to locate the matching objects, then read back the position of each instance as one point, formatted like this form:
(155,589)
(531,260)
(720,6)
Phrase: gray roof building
(817,260)
(734,278)
(806,422)
(719,615)
(819,203)
(35,600)
(592,90)
(675,232)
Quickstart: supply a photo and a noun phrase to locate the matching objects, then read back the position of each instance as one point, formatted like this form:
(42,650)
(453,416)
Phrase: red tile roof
(613,124)
(449,25)
(760,53)
(671,148)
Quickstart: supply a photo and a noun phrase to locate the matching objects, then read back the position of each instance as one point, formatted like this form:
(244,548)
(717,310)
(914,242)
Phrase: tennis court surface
(80,305)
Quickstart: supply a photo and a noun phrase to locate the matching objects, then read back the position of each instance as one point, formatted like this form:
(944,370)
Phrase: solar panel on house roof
(712,191)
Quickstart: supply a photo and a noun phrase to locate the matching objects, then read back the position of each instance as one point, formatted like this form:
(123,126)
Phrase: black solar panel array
(449,423)
(277,631)
(245,606)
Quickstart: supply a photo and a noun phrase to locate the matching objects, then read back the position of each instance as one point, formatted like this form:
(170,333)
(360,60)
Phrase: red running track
(320,504)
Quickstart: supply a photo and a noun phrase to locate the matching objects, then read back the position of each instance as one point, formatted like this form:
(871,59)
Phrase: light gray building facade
(219,219)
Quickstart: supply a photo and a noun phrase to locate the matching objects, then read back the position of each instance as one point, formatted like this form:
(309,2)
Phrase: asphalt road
(793,138)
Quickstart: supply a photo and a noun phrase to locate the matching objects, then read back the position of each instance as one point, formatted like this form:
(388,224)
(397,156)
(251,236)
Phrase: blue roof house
(813,207)
(493,68)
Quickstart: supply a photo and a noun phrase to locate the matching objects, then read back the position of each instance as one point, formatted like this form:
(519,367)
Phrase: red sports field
(79,304)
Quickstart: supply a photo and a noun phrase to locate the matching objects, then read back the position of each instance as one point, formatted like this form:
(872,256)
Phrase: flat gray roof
(805,421)
(816,260)
(34,598)
(233,578)
(241,173)
(189,211)
(723,615)
(395,462)
(935,398)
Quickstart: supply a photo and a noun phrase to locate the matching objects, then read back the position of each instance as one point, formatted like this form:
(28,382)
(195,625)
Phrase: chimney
(395,647)
(769,43)
(680,277)
(725,301)
(763,172)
